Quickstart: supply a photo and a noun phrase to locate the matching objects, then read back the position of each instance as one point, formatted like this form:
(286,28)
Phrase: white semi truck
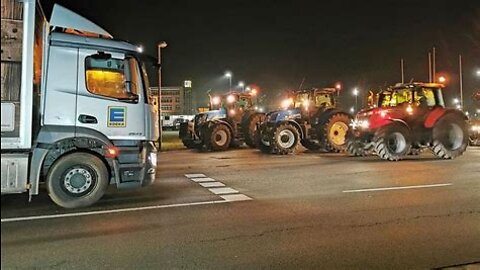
(75,108)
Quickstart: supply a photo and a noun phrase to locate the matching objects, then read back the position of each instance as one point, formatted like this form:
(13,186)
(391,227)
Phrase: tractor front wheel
(218,138)
(392,142)
(250,129)
(285,139)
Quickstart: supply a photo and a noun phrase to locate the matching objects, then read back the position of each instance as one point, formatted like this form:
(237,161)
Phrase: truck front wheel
(77,180)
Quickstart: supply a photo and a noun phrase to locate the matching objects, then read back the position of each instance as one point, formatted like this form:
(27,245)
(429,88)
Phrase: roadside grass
(171,141)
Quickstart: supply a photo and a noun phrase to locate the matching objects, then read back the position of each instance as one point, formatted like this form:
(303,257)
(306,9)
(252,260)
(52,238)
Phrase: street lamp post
(229,75)
(161,45)
(355,93)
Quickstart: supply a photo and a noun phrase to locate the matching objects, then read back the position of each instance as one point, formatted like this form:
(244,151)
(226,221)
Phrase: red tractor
(406,119)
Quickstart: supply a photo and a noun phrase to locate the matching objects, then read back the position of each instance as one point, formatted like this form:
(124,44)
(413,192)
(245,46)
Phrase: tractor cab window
(323,100)
(395,97)
(301,100)
(428,97)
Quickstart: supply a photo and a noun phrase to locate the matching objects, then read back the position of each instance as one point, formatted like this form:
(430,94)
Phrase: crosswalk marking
(235,197)
(195,175)
(203,179)
(212,184)
(223,190)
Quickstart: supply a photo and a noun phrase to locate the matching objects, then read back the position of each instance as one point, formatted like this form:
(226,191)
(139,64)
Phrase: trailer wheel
(392,142)
(450,137)
(285,139)
(218,138)
(77,180)
(250,129)
(334,132)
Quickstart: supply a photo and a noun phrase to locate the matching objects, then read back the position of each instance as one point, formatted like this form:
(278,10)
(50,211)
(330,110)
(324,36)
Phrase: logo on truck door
(117,117)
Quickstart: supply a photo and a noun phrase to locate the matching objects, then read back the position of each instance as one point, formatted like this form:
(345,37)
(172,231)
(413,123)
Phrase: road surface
(241,209)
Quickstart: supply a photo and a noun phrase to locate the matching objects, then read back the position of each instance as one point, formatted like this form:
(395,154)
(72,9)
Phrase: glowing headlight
(216,100)
(153,158)
(475,128)
(364,124)
(231,98)
(286,103)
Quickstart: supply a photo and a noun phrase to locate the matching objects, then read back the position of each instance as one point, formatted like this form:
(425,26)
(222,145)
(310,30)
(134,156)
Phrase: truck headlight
(153,158)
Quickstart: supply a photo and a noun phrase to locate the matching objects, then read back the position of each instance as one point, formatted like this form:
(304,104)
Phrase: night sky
(276,44)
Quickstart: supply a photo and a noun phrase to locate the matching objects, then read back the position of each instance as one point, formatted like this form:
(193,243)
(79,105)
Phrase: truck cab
(87,121)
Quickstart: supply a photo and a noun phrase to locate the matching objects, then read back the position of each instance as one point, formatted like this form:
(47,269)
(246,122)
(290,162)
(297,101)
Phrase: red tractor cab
(406,119)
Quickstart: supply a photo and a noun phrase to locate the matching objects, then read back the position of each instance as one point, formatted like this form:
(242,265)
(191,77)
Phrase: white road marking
(221,191)
(203,179)
(396,188)
(236,197)
(102,212)
(212,184)
(193,175)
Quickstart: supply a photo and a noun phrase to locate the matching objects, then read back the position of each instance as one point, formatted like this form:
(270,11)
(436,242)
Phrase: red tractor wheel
(392,142)
(450,137)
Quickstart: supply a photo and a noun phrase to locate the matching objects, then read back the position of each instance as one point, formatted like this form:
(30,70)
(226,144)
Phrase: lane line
(212,184)
(396,188)
(224,190)
(193,175)
(102,212)
(203,179)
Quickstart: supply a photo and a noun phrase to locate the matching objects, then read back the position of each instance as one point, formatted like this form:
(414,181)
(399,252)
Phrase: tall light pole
(460,75)
(355,93)
(241,85)
(229,75)
(161,45)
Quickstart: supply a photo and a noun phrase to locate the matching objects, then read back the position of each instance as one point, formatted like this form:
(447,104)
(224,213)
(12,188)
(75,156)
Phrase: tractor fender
(400,121)
(293,123)
(438,113)
(220,122)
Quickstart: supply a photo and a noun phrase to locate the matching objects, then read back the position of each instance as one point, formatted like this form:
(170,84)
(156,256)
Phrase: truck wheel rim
(338,133)
(221,137)
(455,137)
(78,180)
(286,139)
(396,142)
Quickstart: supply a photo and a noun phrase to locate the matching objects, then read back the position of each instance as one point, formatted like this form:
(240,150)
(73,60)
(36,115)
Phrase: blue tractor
(309,117)
(231,121)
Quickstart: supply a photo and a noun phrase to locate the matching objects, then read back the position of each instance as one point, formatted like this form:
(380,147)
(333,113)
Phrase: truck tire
(285,139)
(450,137)
(334,132)
(250,129)
(310,145)
(77,180)
(218,138)
(392,142)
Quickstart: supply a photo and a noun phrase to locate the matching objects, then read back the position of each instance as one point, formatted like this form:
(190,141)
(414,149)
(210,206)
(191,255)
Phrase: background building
(176,100)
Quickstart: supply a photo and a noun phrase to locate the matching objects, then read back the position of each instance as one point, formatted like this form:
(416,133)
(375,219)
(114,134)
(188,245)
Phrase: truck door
(110,95)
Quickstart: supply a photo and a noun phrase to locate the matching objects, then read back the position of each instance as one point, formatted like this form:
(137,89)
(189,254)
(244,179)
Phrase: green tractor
(309,117)
(232,120)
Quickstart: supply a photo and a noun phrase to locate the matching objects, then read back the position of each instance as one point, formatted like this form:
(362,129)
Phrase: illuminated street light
(338,86)
(442,79)
(241,85)
(355,93)
(229,75)
(352,109)
(456,101)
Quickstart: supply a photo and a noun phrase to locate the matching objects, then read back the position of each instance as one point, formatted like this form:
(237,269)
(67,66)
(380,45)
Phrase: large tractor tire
(77,180)
(450,137)
(355,147)
(263,142)
(310,145)
(285,139)
(218,137)
(392,142)
(250,129)
(333,133)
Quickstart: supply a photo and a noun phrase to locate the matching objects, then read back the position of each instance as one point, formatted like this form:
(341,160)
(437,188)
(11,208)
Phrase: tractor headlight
(475,128)
(362,124)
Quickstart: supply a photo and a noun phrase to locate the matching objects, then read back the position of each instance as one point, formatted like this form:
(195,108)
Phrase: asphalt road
(306,211)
